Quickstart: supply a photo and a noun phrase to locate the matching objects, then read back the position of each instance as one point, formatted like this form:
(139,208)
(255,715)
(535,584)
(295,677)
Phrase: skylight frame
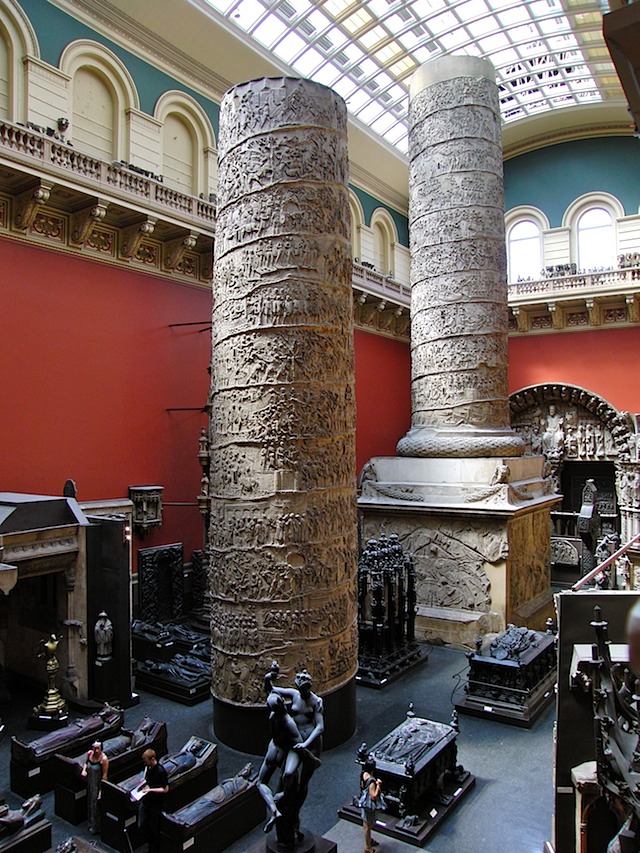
(372,48)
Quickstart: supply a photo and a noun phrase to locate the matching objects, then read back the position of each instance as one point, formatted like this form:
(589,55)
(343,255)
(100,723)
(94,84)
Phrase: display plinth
(47,722)
(184,692)
(310,844)
(376,672)
(32,763)
(124,759)
(416,828)
(421,778)
(191,772)
(477,530)
(35,838)
(512,691)
(206,826)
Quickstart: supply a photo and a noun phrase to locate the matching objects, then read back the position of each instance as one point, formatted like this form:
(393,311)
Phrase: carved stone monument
(470,509)
(282,536)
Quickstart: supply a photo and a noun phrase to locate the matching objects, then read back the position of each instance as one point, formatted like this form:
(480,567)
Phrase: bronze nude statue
(296,720)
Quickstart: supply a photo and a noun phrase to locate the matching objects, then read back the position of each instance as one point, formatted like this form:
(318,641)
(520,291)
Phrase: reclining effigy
(215,820)
(192,771)
(124,752)
(185,678)
(31,766)
(24,830)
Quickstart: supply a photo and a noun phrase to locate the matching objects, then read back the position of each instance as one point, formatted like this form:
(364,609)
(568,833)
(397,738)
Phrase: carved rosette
(282,533)
(459,313)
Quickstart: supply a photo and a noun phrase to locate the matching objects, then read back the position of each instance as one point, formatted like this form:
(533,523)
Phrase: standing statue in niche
(297,724)
(103,635)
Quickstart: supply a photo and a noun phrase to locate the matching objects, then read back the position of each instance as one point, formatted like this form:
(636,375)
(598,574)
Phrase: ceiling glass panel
(546,55)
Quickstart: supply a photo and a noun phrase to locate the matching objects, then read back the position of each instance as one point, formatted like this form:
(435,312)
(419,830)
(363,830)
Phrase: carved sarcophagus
(192,771)
(512,678)
(422,781)
(215,820)
(32,763)
(124,752)
(183,678)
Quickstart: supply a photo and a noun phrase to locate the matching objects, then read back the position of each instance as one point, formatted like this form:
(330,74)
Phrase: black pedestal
(310,844)
(35,838)
(105,680)
(512,691)
(47,722)
(216,831)
(186,692)
(431,812)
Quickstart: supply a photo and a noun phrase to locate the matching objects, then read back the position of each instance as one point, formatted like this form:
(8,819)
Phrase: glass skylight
(545,57)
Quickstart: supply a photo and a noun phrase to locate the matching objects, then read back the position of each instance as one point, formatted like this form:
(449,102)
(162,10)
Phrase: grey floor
(508,811)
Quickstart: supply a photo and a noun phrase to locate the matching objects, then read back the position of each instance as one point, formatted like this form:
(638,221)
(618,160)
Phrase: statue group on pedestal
(296,720)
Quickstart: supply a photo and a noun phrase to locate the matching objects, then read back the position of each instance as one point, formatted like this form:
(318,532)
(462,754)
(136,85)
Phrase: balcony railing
(57,158)
(579,285)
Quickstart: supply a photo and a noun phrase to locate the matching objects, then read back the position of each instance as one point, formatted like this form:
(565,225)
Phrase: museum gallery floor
(509,808)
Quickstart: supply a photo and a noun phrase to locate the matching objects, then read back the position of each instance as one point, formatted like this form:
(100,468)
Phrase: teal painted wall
(369,204)
(553,177)
(55,30)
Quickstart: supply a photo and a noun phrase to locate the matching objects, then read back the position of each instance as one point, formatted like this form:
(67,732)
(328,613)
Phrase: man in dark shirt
(154,788)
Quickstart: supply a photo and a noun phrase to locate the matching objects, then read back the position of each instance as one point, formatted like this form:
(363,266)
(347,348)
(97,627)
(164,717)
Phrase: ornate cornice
(124,30)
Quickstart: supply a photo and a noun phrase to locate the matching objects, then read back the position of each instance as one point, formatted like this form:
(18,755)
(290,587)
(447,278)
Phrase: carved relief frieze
(50,226)
(102,241)
(450,557)
(282,423)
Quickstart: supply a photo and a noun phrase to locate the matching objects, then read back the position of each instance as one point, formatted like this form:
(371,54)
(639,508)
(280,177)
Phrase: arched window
(357,221)
(5,74)
(101,93)
(94,114)
(188,147)
(17,41)
(592,220)
(384,239)
(179,161)
(596,239)
(524,251)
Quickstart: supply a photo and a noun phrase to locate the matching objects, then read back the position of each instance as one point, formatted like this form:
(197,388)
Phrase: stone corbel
(522,318)
(633,308)
(174,249)
(557,315)
(595,313)
(132,236)
(84,221)
(27,204)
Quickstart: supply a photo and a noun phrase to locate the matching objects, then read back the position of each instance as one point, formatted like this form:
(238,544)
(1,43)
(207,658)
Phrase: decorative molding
(27,203)
(570,134)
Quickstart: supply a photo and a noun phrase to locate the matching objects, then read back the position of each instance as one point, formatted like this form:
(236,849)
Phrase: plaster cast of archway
(565,422)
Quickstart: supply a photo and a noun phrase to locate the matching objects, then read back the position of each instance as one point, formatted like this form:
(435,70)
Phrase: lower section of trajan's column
(282,538)
(458,270)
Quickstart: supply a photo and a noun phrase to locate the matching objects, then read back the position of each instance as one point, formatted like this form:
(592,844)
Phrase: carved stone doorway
(581,436)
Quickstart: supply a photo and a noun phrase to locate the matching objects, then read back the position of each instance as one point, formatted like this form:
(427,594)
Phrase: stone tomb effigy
(192,772)
(512,678)
(124,752)
(422,781)
(24,830)
(32,763)
(210,823)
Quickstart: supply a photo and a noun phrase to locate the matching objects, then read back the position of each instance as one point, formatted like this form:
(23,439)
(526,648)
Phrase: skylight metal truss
(547,54)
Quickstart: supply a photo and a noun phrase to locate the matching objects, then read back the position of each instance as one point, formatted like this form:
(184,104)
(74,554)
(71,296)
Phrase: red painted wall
(89,367)
(383,395)
(604,362)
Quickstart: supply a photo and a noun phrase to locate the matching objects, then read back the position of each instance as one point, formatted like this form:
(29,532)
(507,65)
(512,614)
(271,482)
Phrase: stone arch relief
(567,423)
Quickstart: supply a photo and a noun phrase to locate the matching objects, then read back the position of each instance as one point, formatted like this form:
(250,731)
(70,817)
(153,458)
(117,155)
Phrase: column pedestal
(478,532)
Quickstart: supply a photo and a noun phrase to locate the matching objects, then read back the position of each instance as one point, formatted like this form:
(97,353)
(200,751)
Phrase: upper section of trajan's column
(458,267)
